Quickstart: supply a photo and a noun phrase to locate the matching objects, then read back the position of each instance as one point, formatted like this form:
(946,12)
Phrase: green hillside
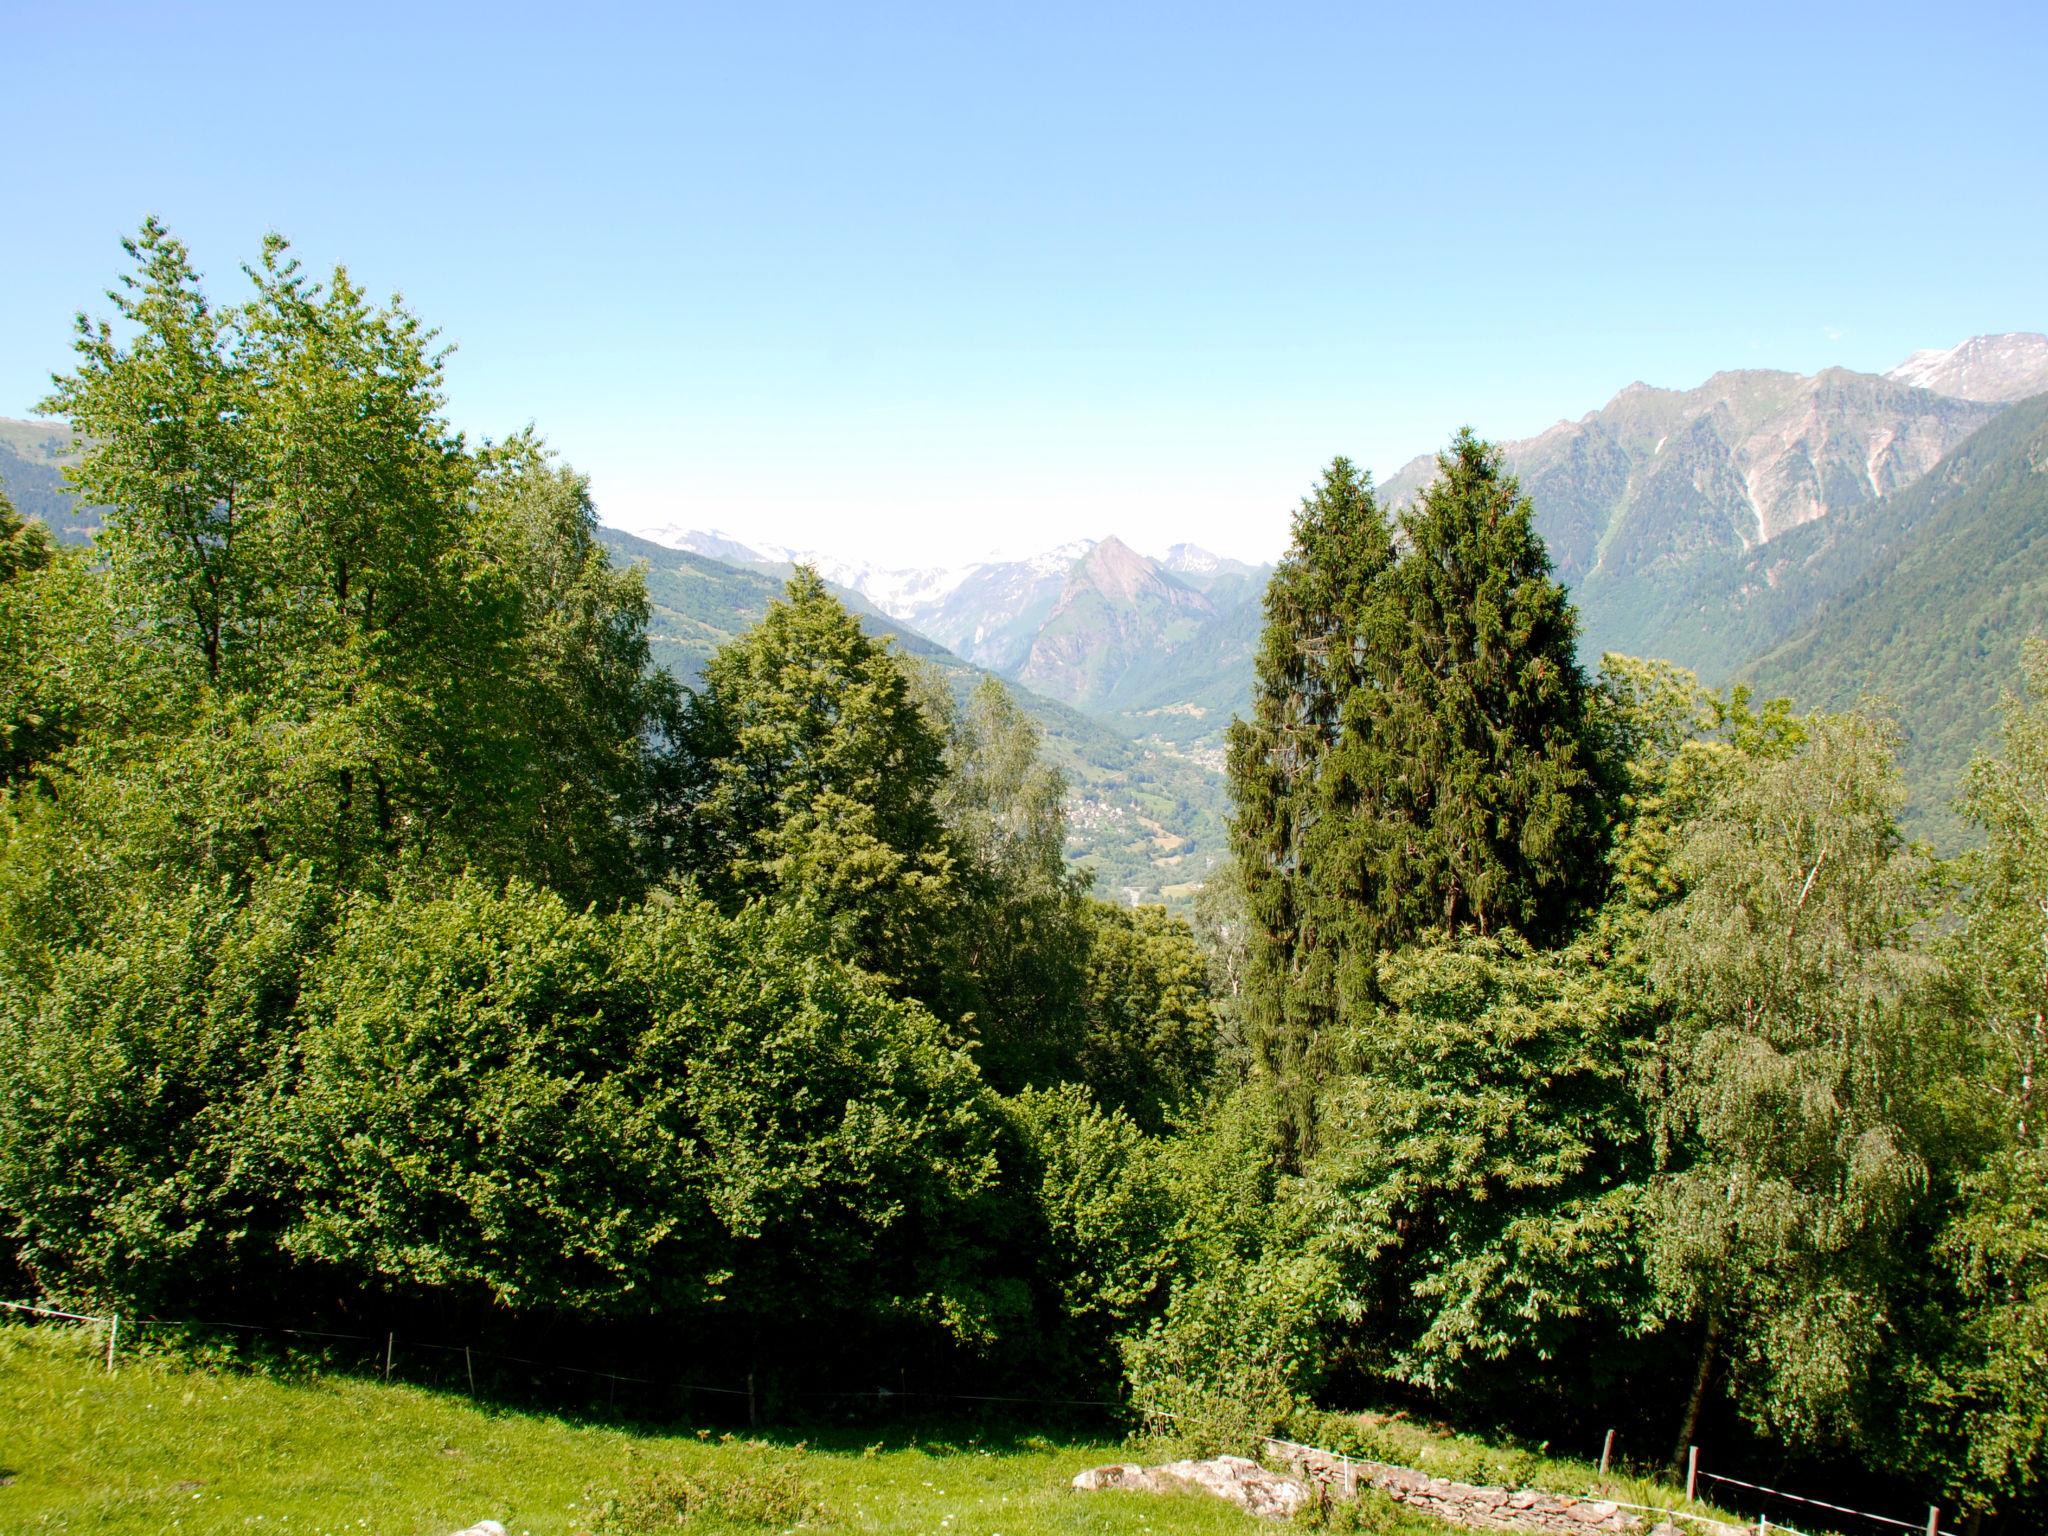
(32,459)
(1147,820)
(1933,597)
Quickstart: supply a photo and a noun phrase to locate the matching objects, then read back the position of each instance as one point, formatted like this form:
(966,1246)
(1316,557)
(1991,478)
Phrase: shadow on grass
(849,1421)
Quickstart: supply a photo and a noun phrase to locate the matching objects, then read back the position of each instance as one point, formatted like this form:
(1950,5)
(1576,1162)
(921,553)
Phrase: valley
(1746,528)
(1763,526)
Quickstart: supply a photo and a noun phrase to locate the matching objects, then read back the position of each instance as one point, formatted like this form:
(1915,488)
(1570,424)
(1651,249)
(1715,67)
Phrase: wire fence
(1931,1526)
(881,1395)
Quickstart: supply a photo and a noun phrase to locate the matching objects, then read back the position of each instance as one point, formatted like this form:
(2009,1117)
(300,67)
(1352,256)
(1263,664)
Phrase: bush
(138,1158)
(1099,1226)
(763,1490)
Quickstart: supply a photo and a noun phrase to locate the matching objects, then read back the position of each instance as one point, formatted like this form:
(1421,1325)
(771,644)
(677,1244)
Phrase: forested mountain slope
(32,459)
(1927,606)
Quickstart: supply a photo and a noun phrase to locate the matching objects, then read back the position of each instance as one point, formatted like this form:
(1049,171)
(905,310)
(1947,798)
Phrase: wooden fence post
(1606,1452)
(1692,1469)
(1933,1520)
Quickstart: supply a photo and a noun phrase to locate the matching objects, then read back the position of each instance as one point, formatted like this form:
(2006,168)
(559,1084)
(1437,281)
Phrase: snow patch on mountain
(2011,366)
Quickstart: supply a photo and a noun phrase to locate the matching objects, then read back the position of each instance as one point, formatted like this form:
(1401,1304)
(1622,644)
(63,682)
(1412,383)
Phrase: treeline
(1615,1060)
(381,935)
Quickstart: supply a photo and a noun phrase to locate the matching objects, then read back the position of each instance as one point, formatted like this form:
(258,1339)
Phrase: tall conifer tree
(1419,757)
(1480,772)
(1320,615)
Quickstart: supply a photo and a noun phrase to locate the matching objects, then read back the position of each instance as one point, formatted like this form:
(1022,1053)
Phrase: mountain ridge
(1930,608)
(1656,506)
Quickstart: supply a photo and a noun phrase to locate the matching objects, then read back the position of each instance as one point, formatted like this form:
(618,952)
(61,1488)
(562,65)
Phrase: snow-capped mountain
(2000,368)
(898,593)
(1201,568)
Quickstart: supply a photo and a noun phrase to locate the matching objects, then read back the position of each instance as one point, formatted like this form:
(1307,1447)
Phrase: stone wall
(1312,1475)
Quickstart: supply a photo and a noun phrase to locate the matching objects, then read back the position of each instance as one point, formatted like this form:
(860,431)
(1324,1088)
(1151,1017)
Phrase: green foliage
(1485,1152)
(1797,1109)
(1150,1036)
(811,776)
(1979,1414)
(24,546)
(1676,741)
(1422,757)
(1980,1411)
(361,642)
(615,1116)
(48,621)
(579,716)
(462,1120)
(138,1155)
(753,1488)
(1242,1344)
(1025,928)
(1101,1227)
(1244,1340)
(1483,778)
(1325,612)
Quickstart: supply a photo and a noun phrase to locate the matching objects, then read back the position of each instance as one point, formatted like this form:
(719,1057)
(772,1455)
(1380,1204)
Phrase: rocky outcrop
(1245,1483)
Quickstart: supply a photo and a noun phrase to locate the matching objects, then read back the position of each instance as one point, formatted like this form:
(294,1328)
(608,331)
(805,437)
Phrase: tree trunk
(1697,1401)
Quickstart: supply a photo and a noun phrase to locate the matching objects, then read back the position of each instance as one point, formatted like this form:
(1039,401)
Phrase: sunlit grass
(160,1447)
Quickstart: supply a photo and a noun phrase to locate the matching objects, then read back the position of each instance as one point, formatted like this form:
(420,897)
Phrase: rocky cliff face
(1116,610)
(1651,505)
(1661,476)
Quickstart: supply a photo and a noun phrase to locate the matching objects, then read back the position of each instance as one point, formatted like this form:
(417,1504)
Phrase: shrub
(762,1489)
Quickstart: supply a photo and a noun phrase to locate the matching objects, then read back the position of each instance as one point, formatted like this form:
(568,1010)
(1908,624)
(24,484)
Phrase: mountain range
(1831,536)
(1661,508)
(1160,646)
(1757,526)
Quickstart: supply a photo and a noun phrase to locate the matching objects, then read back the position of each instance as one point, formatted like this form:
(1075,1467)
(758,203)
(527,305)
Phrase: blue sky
(920,282)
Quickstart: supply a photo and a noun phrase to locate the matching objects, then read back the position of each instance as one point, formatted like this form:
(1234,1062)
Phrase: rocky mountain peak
(2006,367)
(1120,573)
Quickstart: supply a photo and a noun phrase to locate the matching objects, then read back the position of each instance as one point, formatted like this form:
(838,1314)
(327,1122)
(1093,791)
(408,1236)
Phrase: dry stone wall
(1313,1475)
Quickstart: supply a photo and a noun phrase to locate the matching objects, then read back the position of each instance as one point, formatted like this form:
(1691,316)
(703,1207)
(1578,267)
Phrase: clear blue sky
(914,282)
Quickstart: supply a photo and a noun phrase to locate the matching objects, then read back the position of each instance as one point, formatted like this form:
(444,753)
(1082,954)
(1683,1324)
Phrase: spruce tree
(1323,607)
(1420,757)
(1477,761)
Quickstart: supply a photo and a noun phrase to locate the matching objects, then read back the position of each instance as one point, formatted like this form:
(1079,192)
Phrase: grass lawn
(161,1447)
(165,1446)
